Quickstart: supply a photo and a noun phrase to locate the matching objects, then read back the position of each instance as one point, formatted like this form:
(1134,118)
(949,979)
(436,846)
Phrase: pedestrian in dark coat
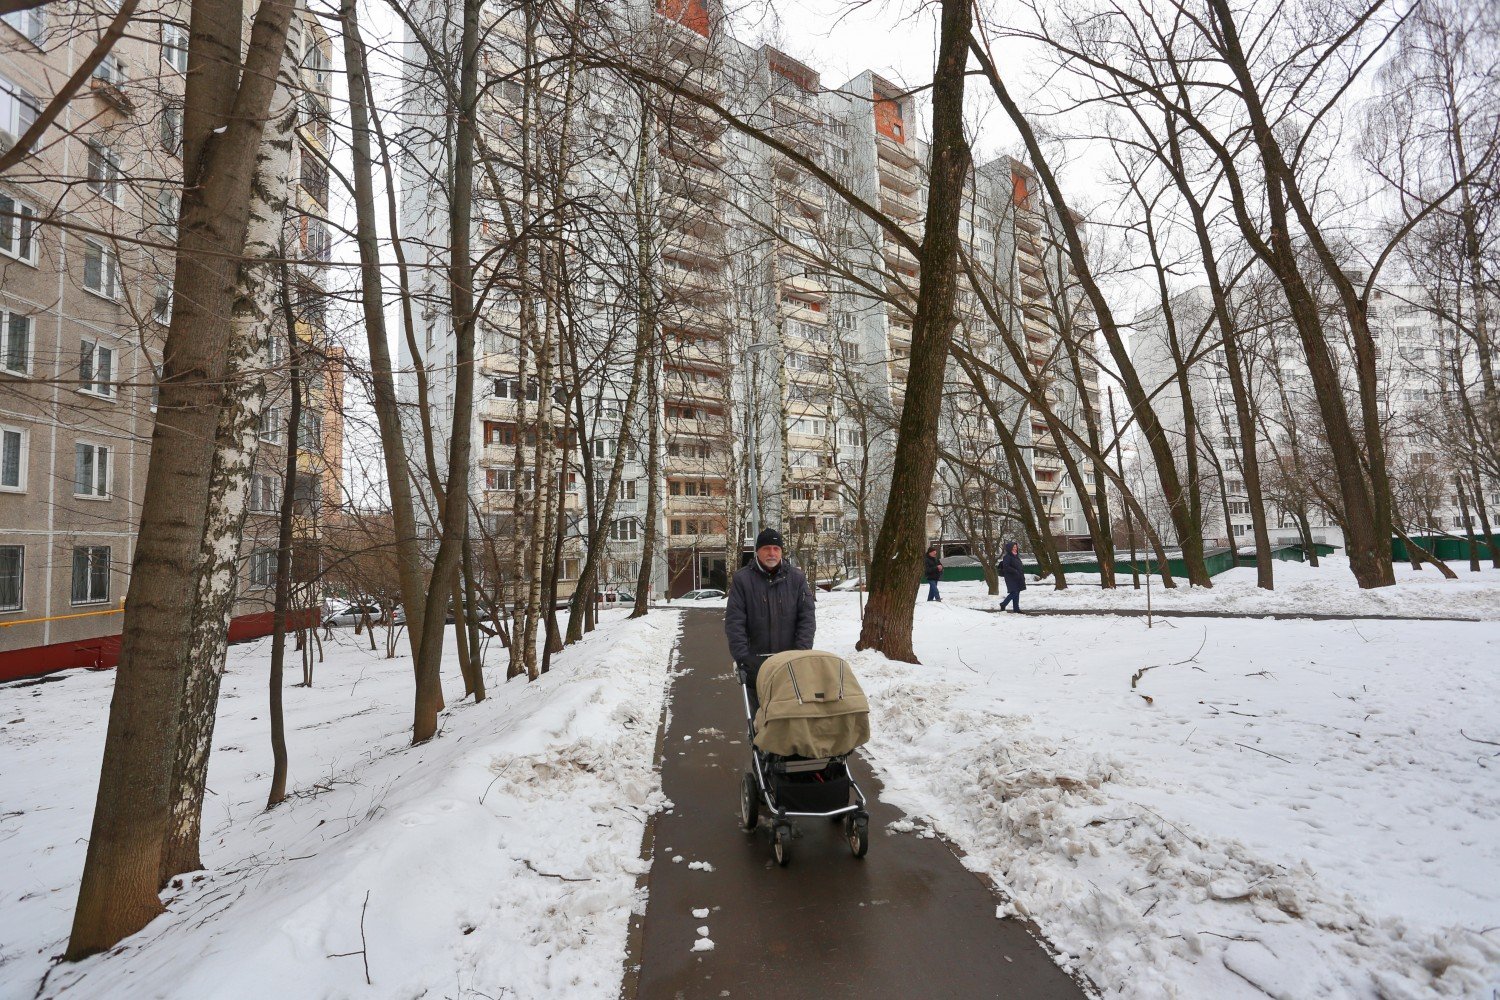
(932,571)
(770,610)
(1015,576)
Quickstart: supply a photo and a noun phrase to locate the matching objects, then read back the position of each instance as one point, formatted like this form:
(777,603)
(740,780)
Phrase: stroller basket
(820,788)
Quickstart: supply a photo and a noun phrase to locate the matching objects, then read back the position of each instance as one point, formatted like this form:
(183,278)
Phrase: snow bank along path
(1293,813)
(498,860)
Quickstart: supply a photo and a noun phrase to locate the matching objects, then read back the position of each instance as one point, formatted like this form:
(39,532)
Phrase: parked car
(703,595)
(352,614)
(614,596)
(397,617)
(848,586)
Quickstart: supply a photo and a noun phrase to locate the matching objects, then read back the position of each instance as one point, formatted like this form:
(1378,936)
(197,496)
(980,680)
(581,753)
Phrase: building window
(168,208)
(161,305)
(91,471)
(96,369)
(500,479)
(12,576)
(17,113)
(101,270)
(17,230)
(104,173)
(110,71)
(15,343)
(263,495)
(314,178)
(310,433)
(268,425)
(91,574)
(316,243)
(13,459)
(263,568)
(174,46)
(624,529)
(171,129)
(31,23)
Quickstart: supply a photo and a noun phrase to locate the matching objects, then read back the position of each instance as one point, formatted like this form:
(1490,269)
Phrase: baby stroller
(812,715)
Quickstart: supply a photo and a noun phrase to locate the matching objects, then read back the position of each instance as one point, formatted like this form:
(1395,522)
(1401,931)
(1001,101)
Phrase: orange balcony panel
(689,13)
(888,119)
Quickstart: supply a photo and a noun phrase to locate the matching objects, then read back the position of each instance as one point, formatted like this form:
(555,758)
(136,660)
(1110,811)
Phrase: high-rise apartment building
(783,319)
(1417,349)
(87,229)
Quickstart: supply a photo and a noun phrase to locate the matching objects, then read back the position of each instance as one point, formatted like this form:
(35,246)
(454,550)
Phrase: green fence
(1217,560)
(1449,548)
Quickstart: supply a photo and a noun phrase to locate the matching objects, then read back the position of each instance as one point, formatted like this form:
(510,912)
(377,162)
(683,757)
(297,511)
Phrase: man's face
(769,556)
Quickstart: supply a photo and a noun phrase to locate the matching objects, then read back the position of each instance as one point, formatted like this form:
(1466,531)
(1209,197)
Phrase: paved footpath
(906,921)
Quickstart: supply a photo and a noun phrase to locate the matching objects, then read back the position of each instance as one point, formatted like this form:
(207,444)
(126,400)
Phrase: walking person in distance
(932,572)
(1015,576)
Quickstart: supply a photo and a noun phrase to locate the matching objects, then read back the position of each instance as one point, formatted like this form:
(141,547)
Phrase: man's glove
(742,670)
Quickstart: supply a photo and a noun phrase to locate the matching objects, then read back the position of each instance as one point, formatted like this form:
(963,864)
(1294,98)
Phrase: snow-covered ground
(1287,808)
(1300,589)
(498,860)
(1284,808)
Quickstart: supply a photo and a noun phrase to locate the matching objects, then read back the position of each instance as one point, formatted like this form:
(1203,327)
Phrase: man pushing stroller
(770,610)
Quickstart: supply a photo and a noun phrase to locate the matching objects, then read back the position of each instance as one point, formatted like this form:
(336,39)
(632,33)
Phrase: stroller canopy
(811,705)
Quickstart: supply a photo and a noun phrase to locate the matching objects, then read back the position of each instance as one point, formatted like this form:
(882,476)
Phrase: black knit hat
(769,536)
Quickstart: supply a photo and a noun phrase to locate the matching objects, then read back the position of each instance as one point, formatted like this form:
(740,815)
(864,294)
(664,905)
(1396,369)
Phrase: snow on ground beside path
(499,860)
(1300,589)
(1294,813)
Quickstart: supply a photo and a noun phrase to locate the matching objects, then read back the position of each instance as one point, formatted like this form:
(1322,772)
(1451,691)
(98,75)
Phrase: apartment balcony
(792,311)
(896,254)
(688,216)
(900,207)
(790,170)
(693,285)
(707,428)
(694,317)
(1029,265)
(695,505)
(809,194)
(1031,288)
(698,76)
(683,42)
(898,336)
(112,94)
(699,542)
(897,154)
(812,442)
(694,182)
(899,370)
(1028,221)
(797,106)
(702,253)
(702,154)
(805,286)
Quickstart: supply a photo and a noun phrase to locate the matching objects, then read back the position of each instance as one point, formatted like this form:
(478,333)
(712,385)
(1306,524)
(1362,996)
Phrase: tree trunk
(653,470)
(1188,537)
(372,298)
(1463,506)
(284,557)
(224,119)
(429,688)
(899,546)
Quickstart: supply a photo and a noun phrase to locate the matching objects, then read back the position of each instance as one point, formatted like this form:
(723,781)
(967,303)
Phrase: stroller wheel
(749,801)
(781,844)
(857,831)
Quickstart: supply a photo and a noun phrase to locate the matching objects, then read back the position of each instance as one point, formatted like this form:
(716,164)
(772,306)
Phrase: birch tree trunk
(225,116)
(256,320)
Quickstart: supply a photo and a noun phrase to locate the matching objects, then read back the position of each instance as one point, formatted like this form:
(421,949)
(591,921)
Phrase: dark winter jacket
(1010,568)
(932,569)
(768,613)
